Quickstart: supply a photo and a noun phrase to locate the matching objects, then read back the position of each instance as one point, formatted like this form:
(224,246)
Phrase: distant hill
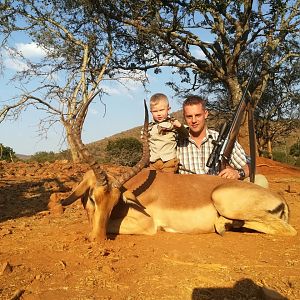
(23,156)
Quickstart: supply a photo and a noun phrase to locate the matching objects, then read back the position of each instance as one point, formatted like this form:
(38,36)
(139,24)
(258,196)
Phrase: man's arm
(239,167)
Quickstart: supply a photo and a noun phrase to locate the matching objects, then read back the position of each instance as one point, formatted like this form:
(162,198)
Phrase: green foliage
(279,156)
(295,149)
(43,156)
(7,153)
(283,157)
(124,151)
(297,162)
(65,154)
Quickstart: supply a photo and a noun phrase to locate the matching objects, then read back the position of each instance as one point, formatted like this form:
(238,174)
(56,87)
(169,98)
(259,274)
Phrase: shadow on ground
(244,289)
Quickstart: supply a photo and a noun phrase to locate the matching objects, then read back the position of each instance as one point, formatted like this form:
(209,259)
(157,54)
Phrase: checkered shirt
(194,159)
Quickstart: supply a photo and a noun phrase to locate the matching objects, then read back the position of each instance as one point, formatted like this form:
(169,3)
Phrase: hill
(23,156)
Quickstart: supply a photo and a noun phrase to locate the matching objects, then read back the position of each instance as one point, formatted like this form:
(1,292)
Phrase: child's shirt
(163,140)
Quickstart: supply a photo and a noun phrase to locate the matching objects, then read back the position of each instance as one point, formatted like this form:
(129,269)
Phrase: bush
(283,157)
(295,149)
(279,156)
(7,153)
(43,156)
(124,151)
(297,162)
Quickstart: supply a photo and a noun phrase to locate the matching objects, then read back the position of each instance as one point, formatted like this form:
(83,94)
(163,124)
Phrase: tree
(78,55)
(124,151)
(206,41)
(295,149)
(278,112)
(7,153)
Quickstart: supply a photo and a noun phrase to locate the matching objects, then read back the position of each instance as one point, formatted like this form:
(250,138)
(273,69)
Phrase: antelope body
(180,203)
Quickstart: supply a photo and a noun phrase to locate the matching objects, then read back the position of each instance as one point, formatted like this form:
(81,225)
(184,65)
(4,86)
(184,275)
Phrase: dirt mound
(48,257)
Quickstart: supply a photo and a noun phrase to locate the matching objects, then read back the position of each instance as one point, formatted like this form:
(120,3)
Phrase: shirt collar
(205,139)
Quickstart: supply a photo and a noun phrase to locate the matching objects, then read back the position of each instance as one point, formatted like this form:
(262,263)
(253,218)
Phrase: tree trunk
(75,154)
(270,155)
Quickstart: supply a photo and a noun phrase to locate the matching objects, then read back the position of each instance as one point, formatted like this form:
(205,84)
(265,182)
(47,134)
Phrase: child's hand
(175,123)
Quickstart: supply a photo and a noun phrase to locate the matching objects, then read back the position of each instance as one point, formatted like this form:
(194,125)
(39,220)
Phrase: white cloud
(15,64)
(12,58)
(30,50)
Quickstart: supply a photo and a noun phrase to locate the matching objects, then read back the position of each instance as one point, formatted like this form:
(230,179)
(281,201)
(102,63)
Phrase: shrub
(280,156)
(295,149)
(283,157)
(7,153)
(124,151)
(43,156)
(297,162)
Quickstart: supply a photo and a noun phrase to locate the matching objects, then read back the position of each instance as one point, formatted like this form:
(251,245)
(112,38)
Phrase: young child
(163,133)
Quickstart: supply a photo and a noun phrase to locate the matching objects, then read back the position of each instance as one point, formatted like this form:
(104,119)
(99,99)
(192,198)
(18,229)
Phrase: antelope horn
(100,174)
(145,156)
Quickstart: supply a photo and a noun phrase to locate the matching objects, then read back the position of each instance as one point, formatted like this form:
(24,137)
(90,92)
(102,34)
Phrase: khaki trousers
(170,166)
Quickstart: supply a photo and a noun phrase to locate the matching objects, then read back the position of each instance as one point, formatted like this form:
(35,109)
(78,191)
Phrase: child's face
(160,111)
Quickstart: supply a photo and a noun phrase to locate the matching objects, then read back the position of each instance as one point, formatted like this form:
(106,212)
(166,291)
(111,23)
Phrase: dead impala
(143,202)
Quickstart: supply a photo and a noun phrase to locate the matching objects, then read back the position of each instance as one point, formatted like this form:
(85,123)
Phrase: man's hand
(229,173)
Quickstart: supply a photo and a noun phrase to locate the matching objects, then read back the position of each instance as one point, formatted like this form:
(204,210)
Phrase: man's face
(195,117)
(160,111)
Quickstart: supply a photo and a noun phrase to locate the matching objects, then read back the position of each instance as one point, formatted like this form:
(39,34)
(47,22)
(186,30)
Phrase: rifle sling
(252,142)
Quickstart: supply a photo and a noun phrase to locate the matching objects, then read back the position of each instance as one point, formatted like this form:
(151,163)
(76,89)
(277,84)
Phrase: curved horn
(100,174)
(145,156)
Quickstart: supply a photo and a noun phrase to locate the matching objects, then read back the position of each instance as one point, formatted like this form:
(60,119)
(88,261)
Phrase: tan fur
(180,203)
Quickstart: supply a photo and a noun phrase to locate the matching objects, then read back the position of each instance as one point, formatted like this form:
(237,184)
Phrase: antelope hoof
(220,229)
(222,225)
(92,237)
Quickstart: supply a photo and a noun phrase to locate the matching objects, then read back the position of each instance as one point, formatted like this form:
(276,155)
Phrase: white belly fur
(197,220)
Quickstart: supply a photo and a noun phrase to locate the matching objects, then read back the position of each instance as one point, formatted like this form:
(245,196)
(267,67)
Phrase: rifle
(223,146)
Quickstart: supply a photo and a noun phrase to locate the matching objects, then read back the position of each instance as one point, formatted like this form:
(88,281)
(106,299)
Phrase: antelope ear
(128,197)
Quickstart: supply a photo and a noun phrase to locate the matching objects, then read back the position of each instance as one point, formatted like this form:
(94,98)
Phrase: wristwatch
(241,174)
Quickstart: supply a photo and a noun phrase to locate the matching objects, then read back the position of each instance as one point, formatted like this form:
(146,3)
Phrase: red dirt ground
(48,257)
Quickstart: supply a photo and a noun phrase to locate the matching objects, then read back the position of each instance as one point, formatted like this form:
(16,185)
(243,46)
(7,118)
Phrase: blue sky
(124,108)
(124,105)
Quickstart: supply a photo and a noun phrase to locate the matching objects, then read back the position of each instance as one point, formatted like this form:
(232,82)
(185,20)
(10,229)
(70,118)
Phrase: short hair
(158,97)
(194,100)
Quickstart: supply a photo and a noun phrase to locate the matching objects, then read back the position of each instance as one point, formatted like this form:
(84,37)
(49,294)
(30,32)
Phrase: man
(193,152)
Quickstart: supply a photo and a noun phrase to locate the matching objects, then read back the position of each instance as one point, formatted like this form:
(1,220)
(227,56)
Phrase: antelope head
(102,191)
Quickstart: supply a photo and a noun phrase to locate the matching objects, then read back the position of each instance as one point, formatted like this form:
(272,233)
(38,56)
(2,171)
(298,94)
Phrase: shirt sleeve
(238,157)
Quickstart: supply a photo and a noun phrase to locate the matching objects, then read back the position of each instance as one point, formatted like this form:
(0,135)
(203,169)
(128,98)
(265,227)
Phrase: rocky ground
(43,256)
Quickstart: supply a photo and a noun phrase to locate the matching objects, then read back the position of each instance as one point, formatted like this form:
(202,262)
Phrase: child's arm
(182,131)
